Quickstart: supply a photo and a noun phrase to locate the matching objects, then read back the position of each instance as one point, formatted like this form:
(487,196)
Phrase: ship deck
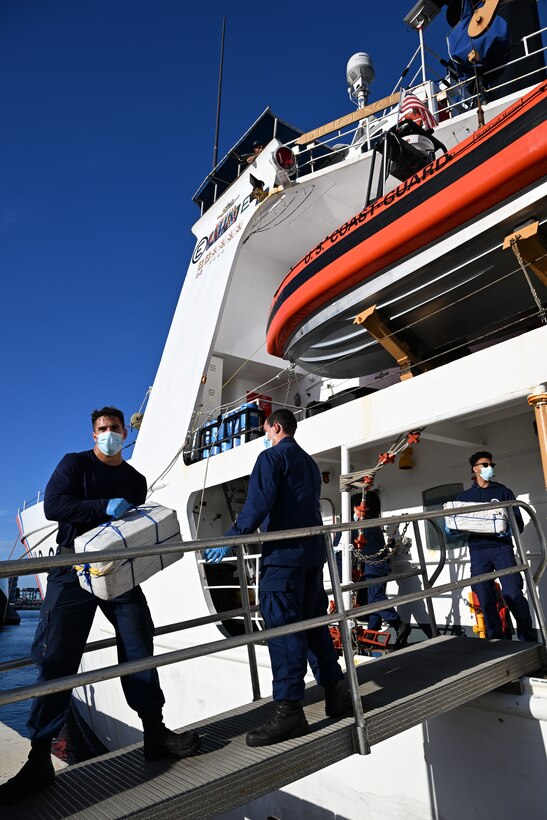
(399,691)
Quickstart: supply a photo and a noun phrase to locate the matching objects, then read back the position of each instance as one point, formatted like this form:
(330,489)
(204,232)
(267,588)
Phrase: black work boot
(288,721)
(160,742)
(402,631)
(36,774)
(337,699)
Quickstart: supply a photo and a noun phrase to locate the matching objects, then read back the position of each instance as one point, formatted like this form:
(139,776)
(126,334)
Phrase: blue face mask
(487,473)
(110,443)
(267,442)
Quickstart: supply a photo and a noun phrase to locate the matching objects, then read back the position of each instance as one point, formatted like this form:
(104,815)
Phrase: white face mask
(110,443)
(267,442)
(487,473)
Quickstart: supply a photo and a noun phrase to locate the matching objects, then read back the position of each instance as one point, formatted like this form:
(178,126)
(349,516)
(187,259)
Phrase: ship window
(433,499)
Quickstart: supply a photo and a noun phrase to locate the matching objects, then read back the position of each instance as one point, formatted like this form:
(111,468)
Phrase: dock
(15,749)
(399,691)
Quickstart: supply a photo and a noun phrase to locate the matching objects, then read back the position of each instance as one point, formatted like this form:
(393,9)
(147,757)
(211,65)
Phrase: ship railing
(344,615)
(454,99)
(461,99)
(31,502)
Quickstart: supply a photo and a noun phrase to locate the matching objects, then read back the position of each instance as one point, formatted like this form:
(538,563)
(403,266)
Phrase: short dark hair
(374,506)
(478,455)
(285,419)
(111,412)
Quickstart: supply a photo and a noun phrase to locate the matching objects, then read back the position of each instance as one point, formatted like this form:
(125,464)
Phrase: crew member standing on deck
(376,565)
(284,492)
(88,489)
(491,552)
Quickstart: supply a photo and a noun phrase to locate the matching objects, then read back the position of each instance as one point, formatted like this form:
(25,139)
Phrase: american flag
(413,108)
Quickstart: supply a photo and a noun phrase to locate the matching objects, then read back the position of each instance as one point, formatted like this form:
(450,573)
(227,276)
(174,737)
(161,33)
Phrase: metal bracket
(532,247)
(482,18)
(379,329)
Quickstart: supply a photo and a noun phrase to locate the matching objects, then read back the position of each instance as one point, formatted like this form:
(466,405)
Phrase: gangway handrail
(13,567)
(225,615)
(342,616)
(177,655)
(167,629)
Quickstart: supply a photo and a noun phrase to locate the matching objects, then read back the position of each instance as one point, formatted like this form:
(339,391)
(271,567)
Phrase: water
(15,642)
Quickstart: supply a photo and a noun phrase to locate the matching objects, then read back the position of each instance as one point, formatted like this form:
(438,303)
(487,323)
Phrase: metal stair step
(399,690)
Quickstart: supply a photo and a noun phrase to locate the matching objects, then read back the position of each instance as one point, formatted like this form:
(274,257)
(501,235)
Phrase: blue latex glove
(214,555)
(117,507)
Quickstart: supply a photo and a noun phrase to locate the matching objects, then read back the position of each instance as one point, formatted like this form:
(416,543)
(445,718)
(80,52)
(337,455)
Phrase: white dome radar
(359,75)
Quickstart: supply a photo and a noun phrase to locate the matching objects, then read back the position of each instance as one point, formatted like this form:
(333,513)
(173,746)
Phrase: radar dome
(360,68)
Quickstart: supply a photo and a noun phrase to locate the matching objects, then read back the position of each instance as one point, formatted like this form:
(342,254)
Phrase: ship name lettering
(221,227)
(246,202)
(200,249)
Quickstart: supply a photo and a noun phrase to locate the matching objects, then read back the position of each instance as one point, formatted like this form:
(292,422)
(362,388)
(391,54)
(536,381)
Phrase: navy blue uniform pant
(288,595)
(488,559)
(376,594)
(65,621)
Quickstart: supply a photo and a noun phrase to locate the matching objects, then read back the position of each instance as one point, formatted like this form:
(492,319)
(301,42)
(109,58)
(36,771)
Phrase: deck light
(285,159)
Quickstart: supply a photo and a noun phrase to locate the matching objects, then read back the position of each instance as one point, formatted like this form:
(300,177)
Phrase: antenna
(217,127)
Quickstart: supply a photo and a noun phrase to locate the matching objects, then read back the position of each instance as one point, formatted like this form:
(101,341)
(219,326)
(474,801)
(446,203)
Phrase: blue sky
(108,113)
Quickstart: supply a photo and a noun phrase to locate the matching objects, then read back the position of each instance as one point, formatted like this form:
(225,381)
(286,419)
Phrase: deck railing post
(530,585)
(363,745)
(442,551)
(429,601)
(248,621)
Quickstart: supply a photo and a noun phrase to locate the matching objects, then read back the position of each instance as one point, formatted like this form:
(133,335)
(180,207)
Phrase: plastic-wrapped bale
(492,522)
(142,527)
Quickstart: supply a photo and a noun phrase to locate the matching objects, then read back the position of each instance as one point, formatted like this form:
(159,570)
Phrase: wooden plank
(348,119)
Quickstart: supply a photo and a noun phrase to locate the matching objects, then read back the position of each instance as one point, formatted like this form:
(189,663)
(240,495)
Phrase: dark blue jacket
(483,495)
(375,543)
(80,488)
(284,492)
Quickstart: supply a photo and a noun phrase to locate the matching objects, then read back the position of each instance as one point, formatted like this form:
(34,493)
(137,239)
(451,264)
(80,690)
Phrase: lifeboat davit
(433,242)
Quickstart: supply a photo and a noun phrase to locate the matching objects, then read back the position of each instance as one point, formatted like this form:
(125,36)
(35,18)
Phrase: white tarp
(493,522)
(145,526)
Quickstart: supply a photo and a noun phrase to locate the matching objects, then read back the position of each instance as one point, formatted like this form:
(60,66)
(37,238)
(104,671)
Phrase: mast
(217,127)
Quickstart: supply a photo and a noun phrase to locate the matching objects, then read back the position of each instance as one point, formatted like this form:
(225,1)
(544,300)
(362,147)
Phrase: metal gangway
(399,691)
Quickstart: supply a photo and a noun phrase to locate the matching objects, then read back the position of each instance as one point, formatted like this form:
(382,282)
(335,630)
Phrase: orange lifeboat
(494,164)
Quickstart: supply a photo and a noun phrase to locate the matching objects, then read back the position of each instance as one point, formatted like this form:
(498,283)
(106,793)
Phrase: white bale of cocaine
(145,526)
(488,522)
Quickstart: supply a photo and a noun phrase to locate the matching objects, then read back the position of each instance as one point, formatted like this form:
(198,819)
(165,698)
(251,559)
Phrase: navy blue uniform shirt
(80,488)
(284,492)
(484,495)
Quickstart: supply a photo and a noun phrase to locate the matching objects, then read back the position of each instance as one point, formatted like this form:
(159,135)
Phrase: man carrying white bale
(493,550)
(86,490)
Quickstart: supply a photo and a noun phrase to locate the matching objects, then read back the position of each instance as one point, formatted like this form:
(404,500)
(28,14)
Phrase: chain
(292,368)
(520,260)
(369,559)
(387,551)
